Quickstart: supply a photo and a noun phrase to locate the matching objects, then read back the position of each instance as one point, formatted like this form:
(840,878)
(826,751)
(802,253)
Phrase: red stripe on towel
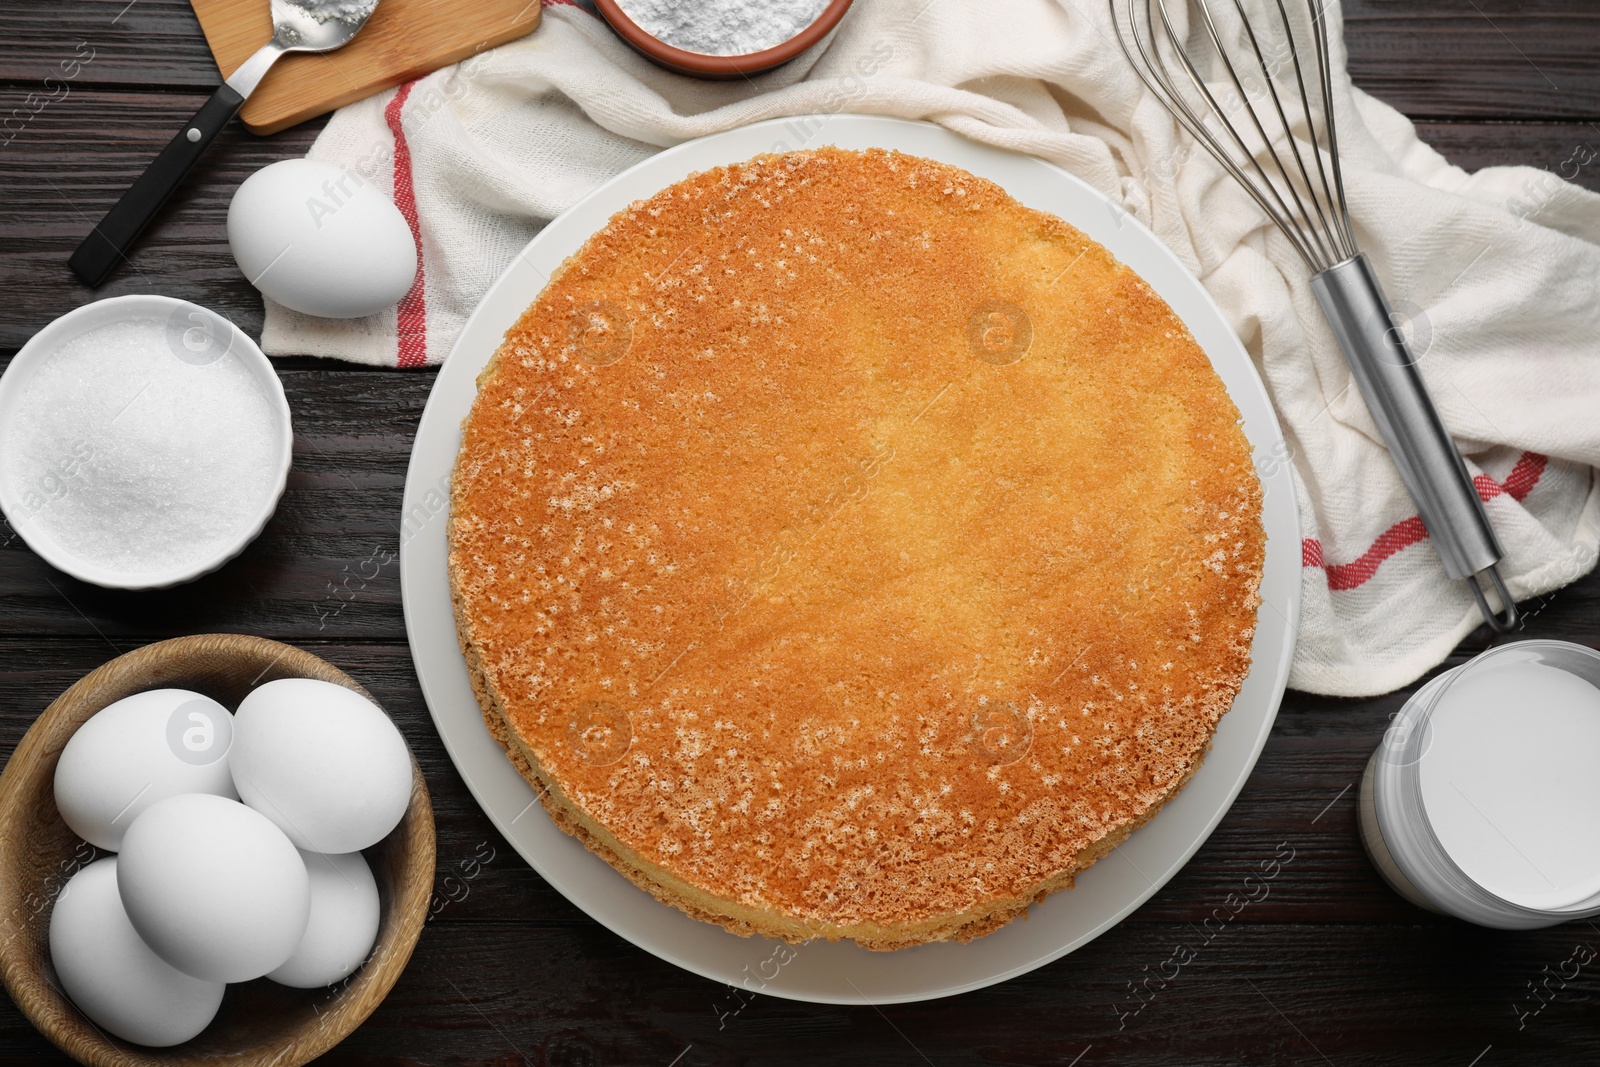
(1407,532)
(412,314)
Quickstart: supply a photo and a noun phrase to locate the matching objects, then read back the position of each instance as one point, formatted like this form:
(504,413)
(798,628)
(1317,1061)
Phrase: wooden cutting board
(403,39)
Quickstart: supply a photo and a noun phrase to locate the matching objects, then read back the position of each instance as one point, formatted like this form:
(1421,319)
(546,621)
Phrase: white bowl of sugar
(144,442)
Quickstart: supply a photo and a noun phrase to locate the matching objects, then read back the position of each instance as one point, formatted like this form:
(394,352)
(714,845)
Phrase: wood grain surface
(403,39)
(1330,968)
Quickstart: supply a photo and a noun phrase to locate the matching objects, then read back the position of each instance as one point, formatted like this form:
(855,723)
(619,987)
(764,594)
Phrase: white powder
(723,27)
(344,10)
(130,458)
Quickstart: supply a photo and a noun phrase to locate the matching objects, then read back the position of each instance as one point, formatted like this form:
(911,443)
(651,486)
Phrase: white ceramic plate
(842,973)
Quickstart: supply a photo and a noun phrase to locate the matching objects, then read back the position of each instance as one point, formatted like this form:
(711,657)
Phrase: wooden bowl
(260,1022)
(701,65)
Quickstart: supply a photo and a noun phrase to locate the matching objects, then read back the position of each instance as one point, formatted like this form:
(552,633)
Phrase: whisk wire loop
(1277,170)
(1299,213)
(1319,35)
(1326,228)
(1160,82)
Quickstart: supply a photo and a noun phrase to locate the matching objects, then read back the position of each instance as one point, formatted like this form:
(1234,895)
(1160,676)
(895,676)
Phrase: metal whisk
(1266,115)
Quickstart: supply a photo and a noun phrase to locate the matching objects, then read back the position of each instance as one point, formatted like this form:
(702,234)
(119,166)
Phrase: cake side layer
(745,921)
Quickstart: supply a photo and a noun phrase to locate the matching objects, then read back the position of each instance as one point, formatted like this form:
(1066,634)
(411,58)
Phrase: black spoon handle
(109,242)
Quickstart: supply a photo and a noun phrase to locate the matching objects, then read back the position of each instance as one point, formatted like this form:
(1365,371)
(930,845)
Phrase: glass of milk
(1483,801)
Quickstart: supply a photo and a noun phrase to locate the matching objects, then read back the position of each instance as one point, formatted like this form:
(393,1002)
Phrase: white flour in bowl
(723,27)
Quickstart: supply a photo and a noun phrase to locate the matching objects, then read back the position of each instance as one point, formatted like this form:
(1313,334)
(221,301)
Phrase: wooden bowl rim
(54,1014)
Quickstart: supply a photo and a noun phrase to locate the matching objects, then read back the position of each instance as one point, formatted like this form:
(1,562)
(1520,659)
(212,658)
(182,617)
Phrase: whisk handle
(1386,373)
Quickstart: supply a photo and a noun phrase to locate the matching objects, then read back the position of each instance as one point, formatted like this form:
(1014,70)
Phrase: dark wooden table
(1331,967)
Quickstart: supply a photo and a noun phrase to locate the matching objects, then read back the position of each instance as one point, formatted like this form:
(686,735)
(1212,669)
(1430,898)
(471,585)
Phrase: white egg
(213,887)
(343,926)
(142,749)
(321,239)
(322,762)
(111,974)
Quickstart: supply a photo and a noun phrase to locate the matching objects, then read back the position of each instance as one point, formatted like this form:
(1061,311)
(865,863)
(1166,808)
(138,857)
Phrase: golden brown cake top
(850,540)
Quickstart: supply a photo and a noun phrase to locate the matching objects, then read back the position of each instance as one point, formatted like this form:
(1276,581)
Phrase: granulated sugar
(131,458)
(723,27)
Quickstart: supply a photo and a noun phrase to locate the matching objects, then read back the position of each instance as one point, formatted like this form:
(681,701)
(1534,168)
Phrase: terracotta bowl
(260,1022)
(701,65)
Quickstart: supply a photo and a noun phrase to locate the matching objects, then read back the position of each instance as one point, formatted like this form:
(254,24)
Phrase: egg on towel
(321,239)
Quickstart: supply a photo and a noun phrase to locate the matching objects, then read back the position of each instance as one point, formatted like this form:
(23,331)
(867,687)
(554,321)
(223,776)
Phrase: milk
(1510,782)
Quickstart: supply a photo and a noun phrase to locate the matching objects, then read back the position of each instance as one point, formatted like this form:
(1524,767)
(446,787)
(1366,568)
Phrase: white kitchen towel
(1496,271)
